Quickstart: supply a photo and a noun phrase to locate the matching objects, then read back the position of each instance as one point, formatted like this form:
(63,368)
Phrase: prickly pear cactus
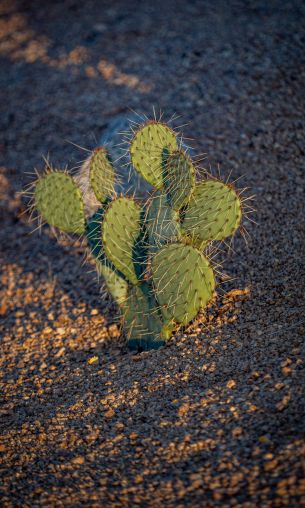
(142,318)
(184,281)
(162,222)
(115,281)
(121,233)
(151,254)
(213,213)
(149,149)
(179,179)
(60,203)
(102,177)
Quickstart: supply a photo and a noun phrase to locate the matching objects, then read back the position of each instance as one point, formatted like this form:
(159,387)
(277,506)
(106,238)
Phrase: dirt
(215,418)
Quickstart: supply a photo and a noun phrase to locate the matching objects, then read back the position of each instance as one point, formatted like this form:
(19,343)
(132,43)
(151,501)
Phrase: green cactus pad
(102,174)
(142,322)
(93,231)
(148,148)
(179,179)
(60,203)
(121,235)
(162,222)
(213,213)
(115,281)
(184,281)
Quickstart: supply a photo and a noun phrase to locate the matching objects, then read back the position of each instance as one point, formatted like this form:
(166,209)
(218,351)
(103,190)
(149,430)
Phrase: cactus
(179,179)
(142,319)
(149,147)
(121,235)
(213,213)
(162,222)
(115,281)
(184,281)
(150,254)
(60,203)
(102,177)
(116,284)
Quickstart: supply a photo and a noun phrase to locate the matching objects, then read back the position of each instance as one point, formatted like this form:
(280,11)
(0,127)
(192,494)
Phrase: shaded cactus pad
(93,232)
(142,319)
(121,235)
(162,222)
(213,213)
(179,179)
(148,148)
(102,177)
(183,280)
(60,203)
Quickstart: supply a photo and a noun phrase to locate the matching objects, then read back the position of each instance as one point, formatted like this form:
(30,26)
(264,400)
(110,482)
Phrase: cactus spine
(149,253)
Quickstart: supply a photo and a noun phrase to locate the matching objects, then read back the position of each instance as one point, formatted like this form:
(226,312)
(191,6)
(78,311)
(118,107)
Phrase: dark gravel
(216,418)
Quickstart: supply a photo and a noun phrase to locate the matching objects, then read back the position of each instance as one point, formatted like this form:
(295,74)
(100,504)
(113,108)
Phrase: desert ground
(216,417)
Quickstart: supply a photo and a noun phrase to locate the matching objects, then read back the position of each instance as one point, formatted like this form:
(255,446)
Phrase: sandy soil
(216,418)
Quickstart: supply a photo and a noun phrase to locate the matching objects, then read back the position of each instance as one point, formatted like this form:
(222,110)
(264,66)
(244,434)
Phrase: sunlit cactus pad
(184,281)
(152,254)
(121,234)
(214,211)
(60,203)
(102,176)
(149,149)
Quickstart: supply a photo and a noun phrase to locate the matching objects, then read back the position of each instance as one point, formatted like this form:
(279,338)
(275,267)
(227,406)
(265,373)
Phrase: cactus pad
(142,320)
(93,232)
(115,281)
(101,174)
(60,203)
(162,222)
(183,280)
(121,235)
(213,213)
(148,148)
(179,179)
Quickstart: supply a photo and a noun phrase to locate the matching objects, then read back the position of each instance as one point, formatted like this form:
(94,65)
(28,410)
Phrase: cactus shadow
(58,268)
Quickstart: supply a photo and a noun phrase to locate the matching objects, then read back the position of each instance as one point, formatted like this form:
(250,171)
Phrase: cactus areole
(152,255)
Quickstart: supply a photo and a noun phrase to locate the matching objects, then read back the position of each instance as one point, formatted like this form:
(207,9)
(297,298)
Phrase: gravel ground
(216,418)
